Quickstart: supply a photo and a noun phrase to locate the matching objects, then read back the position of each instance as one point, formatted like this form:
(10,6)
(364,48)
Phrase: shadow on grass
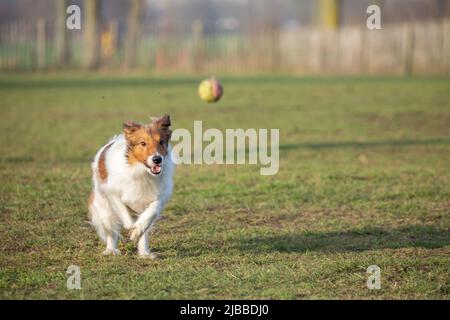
(287,147)
(366,144)
(349,241)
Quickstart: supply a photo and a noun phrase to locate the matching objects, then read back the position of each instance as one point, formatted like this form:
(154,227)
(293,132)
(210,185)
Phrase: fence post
(363,51)
(61,33)
(274,49)
(445,46)
(40,43)
(198,45)
(408,49)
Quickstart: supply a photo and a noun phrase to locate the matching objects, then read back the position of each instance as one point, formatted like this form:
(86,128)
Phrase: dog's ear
(162,125)
(162,122)
(130,127)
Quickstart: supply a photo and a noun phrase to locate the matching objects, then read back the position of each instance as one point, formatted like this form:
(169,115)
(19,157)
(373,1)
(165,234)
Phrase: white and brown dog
(132,176)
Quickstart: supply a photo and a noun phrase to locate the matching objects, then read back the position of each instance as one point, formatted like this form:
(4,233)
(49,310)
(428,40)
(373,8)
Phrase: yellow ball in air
(210,90)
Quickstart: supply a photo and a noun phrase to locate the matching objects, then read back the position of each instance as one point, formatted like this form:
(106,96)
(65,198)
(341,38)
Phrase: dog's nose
(157,159)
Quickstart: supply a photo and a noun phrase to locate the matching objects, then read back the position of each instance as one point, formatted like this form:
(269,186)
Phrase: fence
(414,48)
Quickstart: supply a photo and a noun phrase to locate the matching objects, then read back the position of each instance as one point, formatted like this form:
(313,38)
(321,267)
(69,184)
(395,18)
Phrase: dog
(132,177)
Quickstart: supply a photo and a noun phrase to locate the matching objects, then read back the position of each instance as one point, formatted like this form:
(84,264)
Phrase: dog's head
(148,144)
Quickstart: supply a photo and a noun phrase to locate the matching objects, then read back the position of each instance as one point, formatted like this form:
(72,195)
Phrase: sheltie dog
(132,177)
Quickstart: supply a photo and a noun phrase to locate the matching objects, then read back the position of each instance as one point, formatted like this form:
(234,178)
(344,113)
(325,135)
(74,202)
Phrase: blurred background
(228,36)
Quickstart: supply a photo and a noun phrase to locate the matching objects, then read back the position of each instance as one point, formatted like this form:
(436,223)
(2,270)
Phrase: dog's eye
(143,143)
(161,142)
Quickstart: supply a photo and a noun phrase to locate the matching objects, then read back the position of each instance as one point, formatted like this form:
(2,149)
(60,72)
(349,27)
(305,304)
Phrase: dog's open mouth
(154,168)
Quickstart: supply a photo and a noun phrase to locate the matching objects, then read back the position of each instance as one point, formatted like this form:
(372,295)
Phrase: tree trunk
(441,6)
(41,43)
(131,41)
(91,38)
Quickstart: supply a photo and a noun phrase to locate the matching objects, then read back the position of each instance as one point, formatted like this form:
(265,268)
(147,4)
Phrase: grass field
(364,179)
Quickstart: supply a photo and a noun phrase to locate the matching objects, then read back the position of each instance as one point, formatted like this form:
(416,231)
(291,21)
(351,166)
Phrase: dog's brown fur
(102,171)
(144,140)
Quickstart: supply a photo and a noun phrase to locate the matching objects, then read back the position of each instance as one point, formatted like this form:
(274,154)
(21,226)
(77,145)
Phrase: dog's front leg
(143,248)
(146,219)
(122,212)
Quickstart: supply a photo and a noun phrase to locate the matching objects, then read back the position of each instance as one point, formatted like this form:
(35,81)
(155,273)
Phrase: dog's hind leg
(104,222)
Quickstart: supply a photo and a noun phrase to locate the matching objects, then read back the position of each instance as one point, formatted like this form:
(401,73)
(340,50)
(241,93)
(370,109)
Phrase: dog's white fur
(129,189)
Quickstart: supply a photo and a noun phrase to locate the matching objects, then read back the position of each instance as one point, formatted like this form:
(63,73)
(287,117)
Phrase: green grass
(364,179)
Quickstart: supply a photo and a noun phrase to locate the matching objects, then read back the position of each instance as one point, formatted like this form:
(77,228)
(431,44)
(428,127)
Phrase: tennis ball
(210,90)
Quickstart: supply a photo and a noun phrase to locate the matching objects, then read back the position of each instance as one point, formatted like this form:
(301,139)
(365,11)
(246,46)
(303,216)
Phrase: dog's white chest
(140,194)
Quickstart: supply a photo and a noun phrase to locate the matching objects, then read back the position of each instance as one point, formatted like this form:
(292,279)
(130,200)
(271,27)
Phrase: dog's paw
(111,252)
(135,233)
(148,255)
(128,225)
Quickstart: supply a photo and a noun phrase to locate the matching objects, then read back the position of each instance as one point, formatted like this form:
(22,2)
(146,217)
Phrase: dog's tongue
(156,169)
